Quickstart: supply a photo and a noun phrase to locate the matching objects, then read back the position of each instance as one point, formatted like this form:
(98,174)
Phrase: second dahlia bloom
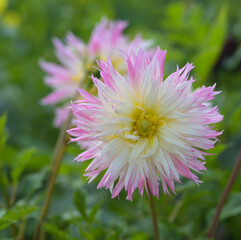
(106,40)
(76,61)
(144,130)
(66,77)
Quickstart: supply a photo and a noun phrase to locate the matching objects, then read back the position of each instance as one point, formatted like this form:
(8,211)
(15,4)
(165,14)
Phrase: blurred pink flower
(144,129)
(61,114)
(76,61)
(65,78)
(106,40)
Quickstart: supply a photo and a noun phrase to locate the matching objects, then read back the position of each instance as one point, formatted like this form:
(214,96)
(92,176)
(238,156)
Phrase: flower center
(79,75)
(146,125)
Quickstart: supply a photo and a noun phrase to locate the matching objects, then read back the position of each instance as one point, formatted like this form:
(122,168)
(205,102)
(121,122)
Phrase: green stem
(176,210)
(58,155)
(224,196)
(153,214)
(2,205)
(22,230)
(3,187)
(13,227)
(13,194)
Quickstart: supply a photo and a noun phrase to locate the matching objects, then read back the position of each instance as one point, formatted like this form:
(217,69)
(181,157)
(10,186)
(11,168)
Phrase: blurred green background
(207,33)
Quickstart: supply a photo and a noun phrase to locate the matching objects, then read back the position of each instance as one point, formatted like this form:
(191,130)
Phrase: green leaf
(3,120)
(205,61)
(185,186)
(15,214)
(80,202)
(22,159)
(94,210)
(138,236)
(186,229)
(33,182)
(168,230)
(211,46)
(116,235)
(235,126)
(57,233)
(3,135)
(86,235)
(233,207)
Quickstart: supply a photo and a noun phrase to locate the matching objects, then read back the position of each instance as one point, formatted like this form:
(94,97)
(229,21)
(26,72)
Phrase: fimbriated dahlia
(145,129)
(66,77)
(76,61)
(108,37)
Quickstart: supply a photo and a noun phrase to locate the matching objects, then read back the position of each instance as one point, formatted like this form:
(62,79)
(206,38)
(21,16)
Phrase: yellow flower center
(118,62)
(146,125)
(80,74)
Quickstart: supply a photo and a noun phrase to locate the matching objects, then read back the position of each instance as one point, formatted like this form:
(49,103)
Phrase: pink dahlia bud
(76,61)
(146,130)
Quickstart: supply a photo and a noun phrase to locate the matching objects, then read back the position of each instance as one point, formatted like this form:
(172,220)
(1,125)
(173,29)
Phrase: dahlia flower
(66,77)
(76,61)
(107,38)
(142,129)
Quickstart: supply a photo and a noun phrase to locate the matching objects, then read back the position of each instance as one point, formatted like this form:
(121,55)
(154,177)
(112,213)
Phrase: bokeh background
(206,33)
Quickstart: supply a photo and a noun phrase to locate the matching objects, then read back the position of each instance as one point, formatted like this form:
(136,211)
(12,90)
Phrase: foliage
(206,33)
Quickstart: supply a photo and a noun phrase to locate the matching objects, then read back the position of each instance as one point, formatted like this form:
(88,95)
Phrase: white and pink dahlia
(65,78)
(77,58)
(144,129)
(106,40)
